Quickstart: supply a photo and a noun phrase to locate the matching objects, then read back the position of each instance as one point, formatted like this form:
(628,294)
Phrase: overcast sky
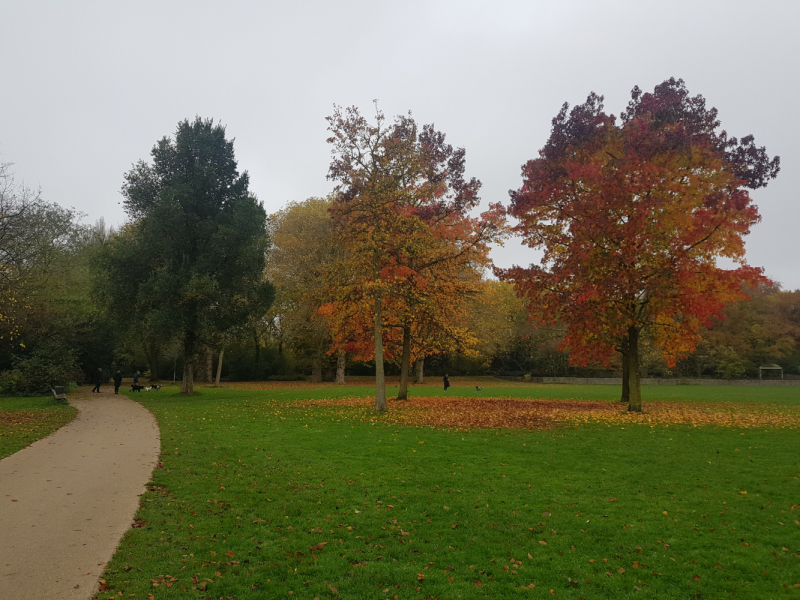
(88,87)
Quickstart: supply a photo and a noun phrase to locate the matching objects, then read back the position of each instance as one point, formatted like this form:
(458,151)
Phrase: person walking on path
(97,379)
(446,382)
(117,381)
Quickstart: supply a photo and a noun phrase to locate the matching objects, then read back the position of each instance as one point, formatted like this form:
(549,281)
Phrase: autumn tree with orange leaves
(403,214)
(632,216)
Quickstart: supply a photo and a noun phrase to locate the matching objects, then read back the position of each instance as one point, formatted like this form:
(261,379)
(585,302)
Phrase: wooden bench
(59,393)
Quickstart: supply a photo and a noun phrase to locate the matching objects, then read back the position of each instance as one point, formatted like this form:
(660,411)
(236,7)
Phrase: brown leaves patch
(16,418)
(513,413)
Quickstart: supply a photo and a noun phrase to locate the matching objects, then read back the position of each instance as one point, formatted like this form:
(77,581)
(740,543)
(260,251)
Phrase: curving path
(67,499)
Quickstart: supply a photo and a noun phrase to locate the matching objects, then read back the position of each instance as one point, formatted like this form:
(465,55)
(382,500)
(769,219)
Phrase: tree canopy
(403,212)
(191,261)
(632,215)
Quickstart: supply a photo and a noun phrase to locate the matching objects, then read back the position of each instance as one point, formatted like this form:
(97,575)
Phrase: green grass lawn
(257,498)
(789,396)
(25,420)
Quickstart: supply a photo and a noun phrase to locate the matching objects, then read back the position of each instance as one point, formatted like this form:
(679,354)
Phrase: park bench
(59,393)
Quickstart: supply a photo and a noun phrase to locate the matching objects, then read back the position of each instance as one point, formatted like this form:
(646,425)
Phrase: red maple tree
(632,215)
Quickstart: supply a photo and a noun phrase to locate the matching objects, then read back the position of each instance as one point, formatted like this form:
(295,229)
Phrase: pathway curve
(67,499)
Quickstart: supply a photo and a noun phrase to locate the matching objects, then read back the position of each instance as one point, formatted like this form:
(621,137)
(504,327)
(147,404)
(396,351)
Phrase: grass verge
(25,420)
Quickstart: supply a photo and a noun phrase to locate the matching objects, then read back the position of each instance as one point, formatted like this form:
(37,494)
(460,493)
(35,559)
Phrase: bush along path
(67,499)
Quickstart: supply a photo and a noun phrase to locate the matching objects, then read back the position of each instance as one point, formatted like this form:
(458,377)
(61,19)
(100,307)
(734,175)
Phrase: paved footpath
(67,499)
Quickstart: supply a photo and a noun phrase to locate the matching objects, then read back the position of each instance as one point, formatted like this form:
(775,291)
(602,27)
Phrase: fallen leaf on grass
(468,413)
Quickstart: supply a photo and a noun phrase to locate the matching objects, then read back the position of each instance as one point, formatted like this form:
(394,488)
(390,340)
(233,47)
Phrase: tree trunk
(419,367)
(316,366)
(187,385)
(626,369)
(152,352)
(219,364)
(405,364)
(635,390)
(340,364)
(209,365)
(380,378)
(258,350)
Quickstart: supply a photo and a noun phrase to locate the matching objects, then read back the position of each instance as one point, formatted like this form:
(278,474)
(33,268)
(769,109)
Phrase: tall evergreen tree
(191,261)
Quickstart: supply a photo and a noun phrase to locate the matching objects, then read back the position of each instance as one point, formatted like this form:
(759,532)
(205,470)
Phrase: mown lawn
(25,420)
(260,498)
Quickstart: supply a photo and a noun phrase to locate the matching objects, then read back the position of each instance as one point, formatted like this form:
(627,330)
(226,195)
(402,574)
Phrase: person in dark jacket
(136,378)
(97,378)
(117,381)
(446,382)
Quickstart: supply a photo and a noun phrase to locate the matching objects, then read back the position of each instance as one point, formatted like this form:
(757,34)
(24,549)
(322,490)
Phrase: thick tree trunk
(257,350)
(419,368)
(626,369)
(187,385)
(340,364)
(209,365)
(380,378)
(635,390)
(152,353)
(405,364)
(219,364)
(316,366)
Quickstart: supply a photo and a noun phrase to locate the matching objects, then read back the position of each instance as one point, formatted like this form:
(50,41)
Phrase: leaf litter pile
(511,413)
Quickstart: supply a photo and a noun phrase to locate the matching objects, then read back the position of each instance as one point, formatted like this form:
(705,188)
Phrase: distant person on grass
(97,378)
(446,382)
(136,378)
(117,381)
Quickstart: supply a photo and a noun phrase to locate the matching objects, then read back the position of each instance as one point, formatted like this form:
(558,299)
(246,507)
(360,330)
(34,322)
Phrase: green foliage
(730,365)
(258,499)
(191,263)
(47,366)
